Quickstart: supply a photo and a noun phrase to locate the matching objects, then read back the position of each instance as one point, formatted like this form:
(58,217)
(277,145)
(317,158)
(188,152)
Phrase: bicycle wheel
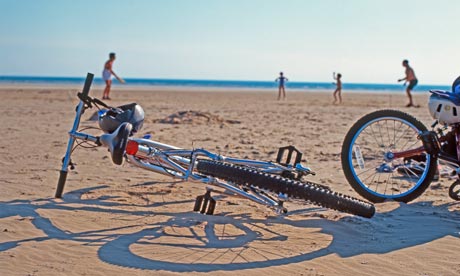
(366,161)
(304,190)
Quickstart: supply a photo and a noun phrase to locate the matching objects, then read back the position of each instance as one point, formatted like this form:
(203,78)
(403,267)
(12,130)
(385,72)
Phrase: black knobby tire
(296,189)
(347,167)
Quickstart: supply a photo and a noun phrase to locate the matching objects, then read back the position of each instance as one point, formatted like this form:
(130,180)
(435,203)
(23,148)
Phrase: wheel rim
(376,172)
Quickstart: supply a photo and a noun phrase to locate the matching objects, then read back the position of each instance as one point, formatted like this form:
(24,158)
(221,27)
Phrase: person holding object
(412,79)
(107,76)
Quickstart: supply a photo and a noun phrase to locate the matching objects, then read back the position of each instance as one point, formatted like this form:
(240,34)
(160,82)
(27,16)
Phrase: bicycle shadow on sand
(186,241)
(71,201)
(260,246)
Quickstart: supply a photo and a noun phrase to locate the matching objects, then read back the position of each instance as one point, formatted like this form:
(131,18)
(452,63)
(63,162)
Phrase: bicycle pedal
(205,204)
(211,207)
(290,150)
(198,201)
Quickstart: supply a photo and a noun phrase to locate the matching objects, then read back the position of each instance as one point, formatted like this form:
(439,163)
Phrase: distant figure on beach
(107,76)
(338,89)
(281,88)
(412,79)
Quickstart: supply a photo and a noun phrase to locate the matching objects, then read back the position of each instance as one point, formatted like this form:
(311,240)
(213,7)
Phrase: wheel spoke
(393,183)
(365,171)
(411,146)
(379,143)
(388,134)
(412,172)
(405,131)
(388,131)
(381,136)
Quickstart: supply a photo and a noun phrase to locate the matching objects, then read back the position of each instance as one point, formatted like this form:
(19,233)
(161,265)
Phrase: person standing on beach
(281,88)
(410,77)
(338,90)
(107,76)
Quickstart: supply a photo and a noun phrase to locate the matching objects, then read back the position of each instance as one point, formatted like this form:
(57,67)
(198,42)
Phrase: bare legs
(339,93)
(281,91)
(108,84)
(411,103)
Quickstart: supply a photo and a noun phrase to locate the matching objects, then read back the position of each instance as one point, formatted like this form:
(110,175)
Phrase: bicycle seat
(116,142)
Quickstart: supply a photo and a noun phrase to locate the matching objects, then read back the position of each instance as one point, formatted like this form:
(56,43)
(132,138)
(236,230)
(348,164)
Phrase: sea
(232,84)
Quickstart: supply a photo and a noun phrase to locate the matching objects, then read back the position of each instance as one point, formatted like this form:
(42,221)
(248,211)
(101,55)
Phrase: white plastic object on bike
(443,110)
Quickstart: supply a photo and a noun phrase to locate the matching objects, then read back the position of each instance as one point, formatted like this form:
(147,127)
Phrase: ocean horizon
(233,84)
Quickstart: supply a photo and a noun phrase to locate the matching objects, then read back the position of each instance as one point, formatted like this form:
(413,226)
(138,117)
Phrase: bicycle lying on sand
(389,154)
(267,183)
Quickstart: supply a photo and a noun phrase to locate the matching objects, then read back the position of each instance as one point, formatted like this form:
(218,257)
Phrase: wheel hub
(388,156)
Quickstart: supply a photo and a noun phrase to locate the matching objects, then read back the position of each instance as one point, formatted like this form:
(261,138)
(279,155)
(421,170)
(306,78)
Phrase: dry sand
(121,220)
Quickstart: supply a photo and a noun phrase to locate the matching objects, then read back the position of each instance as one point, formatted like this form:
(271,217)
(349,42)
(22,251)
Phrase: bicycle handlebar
(89,101)
(66,161)
(84,95)
(88,81)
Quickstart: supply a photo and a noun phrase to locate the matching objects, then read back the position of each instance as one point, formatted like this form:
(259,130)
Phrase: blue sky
(234,40)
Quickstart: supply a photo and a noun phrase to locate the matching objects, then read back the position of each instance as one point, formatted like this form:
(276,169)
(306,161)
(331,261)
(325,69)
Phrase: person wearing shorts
(412,79)
(412,84)
(107,76)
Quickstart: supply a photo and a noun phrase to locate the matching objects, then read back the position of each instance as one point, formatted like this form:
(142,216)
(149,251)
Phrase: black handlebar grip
(61,183)
(88,81)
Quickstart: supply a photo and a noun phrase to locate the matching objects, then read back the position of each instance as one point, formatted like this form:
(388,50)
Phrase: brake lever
(99,102)
(85,99)
(89,101)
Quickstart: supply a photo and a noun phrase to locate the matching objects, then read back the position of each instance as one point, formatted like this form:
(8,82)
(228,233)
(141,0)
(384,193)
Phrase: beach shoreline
(207,85)
(198,89)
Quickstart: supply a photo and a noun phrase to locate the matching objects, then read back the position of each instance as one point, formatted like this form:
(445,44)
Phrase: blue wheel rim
(366,187)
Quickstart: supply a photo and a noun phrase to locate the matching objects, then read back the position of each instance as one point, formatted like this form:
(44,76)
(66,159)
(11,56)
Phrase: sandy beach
(121,220)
